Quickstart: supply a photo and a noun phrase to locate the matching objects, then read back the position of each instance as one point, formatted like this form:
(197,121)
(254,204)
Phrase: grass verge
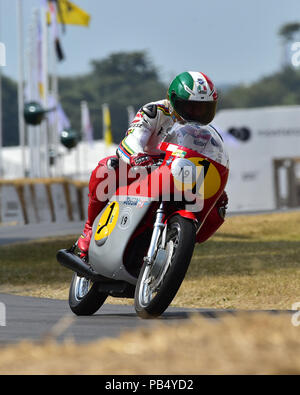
(256,343)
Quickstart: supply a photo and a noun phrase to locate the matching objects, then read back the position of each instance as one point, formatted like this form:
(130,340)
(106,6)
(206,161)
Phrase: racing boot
(94,208)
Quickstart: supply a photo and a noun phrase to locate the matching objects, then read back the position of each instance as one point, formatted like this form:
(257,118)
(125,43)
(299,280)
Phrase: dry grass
(251,263)
(255,343)
(31,268)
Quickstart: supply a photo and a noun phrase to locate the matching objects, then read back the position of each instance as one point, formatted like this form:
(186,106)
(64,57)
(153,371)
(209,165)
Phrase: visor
(197,111)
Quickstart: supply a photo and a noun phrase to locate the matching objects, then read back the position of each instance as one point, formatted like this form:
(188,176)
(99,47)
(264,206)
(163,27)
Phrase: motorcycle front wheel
(157,285)
(84,297)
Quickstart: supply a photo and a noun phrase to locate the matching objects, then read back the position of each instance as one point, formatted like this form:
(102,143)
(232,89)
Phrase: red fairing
(212,223)
(185,214)
(159,185)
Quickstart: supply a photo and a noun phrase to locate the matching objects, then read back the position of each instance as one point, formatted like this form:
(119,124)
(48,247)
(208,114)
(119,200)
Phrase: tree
(288,31)
(282,88)
(120,80)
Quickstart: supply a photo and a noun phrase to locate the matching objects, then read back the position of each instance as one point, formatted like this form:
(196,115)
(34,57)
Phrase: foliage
(120,80)
(281,88)
(288,31)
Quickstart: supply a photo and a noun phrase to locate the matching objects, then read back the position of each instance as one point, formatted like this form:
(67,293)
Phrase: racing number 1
(205,163)
(108,218)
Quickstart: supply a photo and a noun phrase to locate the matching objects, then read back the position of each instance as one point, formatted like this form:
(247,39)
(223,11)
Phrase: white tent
(264,151)
(77,163)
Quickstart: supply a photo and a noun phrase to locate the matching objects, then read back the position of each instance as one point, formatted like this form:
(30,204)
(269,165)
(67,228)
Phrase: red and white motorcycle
(143,240)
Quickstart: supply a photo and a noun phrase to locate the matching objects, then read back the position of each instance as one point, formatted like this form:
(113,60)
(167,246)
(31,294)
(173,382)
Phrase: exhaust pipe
(69,260)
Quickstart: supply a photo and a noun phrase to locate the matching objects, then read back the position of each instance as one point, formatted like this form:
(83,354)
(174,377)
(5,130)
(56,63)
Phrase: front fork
(159,228)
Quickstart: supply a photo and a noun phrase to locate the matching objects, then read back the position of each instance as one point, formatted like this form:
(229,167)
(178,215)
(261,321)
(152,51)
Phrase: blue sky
(230,40)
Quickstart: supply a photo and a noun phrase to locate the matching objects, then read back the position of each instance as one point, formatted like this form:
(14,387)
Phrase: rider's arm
(139,133)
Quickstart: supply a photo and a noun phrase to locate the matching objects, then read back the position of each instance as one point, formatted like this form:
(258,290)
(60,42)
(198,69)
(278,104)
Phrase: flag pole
(45,85)
(32,89)
(21,86)
(53,138)
(55,131)
(29,91)
(1,128)
(36,96)
(38,66)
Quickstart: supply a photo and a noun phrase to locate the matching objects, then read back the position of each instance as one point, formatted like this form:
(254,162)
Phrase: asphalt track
(24,233)
(36,318)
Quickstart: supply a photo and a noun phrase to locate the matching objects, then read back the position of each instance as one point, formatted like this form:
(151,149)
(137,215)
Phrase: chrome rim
(150,284)
(82,287)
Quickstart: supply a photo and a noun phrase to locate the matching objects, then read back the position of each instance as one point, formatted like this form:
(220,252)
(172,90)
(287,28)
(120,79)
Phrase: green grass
(252,262)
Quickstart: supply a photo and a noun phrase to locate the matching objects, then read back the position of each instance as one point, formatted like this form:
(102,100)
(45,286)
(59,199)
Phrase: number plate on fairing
(107,223)
(112,230)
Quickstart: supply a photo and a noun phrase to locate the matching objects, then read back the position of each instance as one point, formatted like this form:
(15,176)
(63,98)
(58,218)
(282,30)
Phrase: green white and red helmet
(193,97)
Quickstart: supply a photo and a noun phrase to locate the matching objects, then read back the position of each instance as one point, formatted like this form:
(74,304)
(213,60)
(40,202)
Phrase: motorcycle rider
(191,97)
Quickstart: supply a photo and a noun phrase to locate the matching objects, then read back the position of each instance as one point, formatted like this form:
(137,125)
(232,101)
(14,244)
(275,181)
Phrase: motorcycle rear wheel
(84,297)
(155,289)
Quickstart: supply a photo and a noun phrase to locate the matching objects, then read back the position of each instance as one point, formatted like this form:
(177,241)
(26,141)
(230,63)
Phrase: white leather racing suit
(149,127)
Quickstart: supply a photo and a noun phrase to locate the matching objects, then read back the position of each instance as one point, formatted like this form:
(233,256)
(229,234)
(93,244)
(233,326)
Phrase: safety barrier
(26,201)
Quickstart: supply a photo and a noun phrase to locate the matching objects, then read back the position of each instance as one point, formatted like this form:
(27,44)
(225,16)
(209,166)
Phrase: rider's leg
(94,209)
(96,202)
(214,219)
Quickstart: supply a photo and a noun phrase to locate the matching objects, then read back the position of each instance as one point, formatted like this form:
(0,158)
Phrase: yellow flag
(70,14)
(41,90)
(107,125)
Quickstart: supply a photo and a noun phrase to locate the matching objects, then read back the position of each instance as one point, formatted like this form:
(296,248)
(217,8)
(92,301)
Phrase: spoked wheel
(159,282)
(84,297)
